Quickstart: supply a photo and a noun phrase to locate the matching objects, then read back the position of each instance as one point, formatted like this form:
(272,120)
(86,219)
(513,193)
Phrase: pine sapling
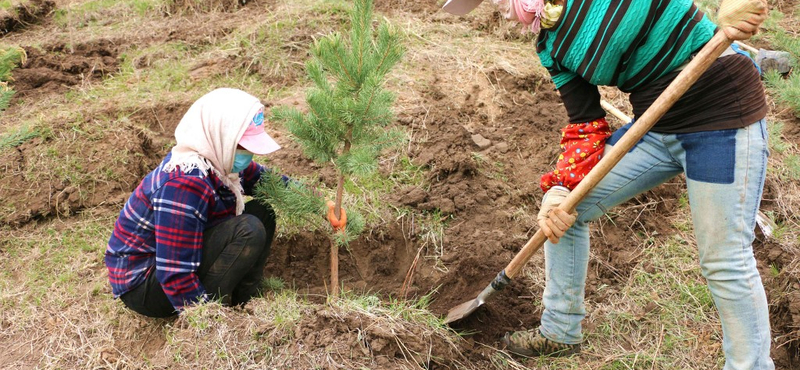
(9,59)
(348,108)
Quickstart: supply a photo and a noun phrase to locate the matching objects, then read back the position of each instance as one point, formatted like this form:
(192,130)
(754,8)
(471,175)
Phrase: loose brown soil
(488,193)
(23,15)
(54,69)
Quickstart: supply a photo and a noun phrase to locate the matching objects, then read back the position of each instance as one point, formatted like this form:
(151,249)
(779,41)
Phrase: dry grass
(201,6)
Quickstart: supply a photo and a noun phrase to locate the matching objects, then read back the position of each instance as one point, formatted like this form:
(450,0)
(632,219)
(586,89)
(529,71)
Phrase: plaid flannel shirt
(161,226)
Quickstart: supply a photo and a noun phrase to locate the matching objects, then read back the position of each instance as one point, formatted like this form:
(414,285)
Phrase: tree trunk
(334,268)
(337,211)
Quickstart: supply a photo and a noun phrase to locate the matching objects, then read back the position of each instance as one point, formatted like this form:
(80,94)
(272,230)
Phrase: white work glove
(740,19)
(554,221)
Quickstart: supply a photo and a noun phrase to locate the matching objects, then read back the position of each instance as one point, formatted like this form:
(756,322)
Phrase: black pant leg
(234,254)
(250,286)
(149,298)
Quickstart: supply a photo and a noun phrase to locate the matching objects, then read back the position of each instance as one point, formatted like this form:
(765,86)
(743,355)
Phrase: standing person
(185,235)
(715,134)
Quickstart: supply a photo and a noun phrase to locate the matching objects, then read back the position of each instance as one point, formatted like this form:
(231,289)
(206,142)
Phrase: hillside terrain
(105,83)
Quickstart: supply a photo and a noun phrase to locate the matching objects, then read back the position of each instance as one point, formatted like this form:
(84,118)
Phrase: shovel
(685,79)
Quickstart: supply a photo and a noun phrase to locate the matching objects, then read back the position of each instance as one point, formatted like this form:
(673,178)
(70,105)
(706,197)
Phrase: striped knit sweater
(622,43)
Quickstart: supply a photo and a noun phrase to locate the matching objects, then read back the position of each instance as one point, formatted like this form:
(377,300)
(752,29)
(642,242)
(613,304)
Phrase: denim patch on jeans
(710,155)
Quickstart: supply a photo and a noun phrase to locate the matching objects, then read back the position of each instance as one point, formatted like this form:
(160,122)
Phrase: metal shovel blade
(461,311)
(467,308)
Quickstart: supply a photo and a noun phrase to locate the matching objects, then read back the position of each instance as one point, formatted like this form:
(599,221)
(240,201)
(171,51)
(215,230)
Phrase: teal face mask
(241,160)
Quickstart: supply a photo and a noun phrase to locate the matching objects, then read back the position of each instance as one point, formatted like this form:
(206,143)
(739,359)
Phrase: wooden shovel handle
(685,79)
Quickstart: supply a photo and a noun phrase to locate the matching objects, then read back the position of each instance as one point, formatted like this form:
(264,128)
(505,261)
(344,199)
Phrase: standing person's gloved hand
(554,221)
(740,19)
(340,223)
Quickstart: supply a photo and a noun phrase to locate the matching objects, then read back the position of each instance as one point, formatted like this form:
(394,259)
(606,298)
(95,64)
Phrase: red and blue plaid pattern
(161,226)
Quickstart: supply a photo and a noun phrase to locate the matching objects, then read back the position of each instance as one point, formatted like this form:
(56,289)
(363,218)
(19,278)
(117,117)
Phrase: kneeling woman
(185,235)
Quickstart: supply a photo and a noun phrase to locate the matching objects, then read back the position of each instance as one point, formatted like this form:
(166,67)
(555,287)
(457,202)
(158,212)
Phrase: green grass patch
(6,5)
(156,71)
(431,232)
(412,310)
(47,264)
(17,137)
(788,168)
(5,95)
(273,284)
(10,57)
(775,133)
(791,166)
(778,36)
(91,13)
(785,90)
(284,309)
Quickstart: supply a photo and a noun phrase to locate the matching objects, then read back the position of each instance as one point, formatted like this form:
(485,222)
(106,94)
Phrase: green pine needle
(5,96)
(355,226)
(294,203)
(10,57)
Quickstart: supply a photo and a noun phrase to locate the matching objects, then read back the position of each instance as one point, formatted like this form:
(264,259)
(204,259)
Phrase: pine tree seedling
(9,58)
(348,110)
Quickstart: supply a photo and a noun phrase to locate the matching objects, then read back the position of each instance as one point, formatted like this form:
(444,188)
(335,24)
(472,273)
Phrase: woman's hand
(340,223)
(740,19)
(554,221)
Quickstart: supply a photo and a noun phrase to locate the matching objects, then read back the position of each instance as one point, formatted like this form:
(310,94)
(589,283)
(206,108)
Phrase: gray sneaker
(531,343)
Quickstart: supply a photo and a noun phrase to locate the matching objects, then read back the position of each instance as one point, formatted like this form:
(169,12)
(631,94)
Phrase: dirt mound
(55,68)
(23,15)
(386,341)
(33,195)
(106,169)
(327,337)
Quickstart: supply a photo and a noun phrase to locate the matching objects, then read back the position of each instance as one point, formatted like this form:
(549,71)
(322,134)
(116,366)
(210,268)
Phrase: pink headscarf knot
(529,13)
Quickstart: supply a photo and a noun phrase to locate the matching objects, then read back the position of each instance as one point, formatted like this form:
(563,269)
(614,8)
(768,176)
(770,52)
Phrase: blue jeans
(725,173)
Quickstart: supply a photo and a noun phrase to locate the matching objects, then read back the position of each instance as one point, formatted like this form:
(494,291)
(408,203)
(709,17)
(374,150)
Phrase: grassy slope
(54,298)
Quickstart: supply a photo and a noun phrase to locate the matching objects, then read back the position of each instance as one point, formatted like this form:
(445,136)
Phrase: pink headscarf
(207,135)
(527,12)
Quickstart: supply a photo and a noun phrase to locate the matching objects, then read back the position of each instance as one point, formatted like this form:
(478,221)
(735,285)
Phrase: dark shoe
(531,343)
